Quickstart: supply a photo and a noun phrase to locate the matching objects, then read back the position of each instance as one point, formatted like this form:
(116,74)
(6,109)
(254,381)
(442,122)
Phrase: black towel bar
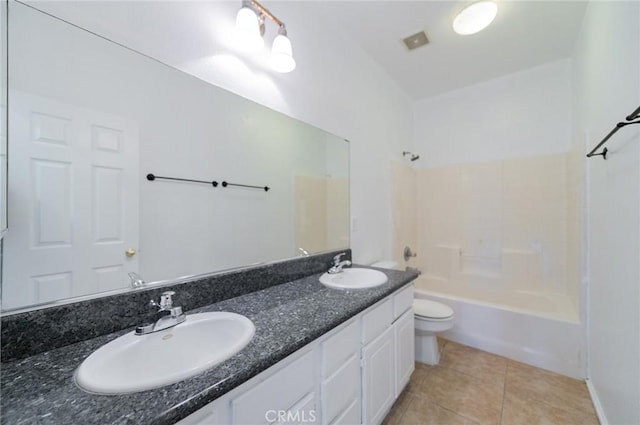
(151,177)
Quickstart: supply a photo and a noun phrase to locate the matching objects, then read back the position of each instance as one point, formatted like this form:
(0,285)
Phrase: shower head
(415,157)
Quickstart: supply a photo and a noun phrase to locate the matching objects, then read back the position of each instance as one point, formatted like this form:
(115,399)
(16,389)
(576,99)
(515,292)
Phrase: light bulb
(281,54)
(248,31)
(475,17)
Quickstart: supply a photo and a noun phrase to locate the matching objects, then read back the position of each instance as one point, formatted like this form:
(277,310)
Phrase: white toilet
(430,317)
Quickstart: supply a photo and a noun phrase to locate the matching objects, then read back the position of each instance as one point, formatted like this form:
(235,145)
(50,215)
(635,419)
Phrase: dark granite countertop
(40,389)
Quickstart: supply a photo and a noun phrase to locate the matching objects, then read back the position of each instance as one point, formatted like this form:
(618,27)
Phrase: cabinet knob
(130,252)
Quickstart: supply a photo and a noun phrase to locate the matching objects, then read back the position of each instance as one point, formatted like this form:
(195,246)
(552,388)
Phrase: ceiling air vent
(416,40)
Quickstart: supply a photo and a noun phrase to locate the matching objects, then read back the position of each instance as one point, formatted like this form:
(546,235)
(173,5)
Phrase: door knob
(130,252)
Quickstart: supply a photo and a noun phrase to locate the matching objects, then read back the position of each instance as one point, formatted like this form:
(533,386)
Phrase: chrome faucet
(165,317)
(136,279)
(338,265)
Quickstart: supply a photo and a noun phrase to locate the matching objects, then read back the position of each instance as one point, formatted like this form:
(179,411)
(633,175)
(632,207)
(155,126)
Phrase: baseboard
(596,403)
(516,352)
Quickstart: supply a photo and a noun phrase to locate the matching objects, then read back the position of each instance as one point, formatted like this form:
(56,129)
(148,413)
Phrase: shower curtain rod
(629,118)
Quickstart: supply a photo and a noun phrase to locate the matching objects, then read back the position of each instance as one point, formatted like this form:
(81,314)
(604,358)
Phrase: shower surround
(503,234)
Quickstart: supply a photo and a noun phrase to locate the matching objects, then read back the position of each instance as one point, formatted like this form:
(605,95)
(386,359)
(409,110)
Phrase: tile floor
(471,387)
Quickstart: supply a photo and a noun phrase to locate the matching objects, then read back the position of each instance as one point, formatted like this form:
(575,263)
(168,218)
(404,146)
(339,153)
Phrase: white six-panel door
(73,201)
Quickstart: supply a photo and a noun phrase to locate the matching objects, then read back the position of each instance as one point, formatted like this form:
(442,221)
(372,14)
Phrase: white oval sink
(134,363)
(354,278)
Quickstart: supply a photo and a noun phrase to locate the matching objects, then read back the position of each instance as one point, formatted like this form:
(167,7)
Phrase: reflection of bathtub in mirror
(98,118)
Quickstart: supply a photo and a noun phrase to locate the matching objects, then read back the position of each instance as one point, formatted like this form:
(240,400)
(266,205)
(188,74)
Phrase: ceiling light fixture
(475,17)
(250,30)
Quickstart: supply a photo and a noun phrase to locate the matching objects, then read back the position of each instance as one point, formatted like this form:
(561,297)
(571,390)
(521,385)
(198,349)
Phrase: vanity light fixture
(250,30)
(475,17)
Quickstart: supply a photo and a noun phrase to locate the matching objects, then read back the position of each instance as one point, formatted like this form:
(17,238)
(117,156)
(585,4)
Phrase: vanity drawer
(402,301)
(339,347)
(376,321)
(339,390)
(279,392)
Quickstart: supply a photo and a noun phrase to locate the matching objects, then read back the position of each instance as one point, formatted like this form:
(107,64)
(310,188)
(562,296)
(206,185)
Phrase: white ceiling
(524,34)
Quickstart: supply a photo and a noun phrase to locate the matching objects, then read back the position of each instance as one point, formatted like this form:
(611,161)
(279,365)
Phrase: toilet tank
(386,264)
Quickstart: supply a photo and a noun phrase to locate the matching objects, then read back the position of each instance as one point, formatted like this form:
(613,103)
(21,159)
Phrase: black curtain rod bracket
(634,115)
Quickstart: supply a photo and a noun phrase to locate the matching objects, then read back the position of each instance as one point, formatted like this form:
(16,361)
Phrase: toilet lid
(431,309)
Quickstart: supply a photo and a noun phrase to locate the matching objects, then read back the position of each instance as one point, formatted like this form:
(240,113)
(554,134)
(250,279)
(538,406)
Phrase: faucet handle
(166,301)
(336,259)
(136,279)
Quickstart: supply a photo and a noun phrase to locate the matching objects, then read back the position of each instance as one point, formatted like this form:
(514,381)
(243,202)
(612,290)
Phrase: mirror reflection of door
(73,190)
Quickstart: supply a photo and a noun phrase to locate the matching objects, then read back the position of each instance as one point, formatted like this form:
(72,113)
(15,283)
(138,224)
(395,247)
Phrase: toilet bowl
(430,317)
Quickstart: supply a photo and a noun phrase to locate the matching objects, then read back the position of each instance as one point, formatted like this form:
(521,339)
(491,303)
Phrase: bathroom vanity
(316,350)
(350,375)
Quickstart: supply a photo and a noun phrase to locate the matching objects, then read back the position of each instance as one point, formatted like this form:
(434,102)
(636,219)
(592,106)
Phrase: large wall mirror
(3,116)
(89,120)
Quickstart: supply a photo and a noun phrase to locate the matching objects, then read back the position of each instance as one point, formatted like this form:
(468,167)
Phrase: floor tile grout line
(570,411)
(457,413)
(480,381)
(404,411)
(504,392)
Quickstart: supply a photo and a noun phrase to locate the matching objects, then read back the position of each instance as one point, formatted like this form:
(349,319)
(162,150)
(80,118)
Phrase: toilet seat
(431,310)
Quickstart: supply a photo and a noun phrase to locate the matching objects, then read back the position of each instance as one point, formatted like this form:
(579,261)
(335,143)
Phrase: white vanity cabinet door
(281,392)
(303,413)
(404,336)
(351,415)
(378,378)
(340,390)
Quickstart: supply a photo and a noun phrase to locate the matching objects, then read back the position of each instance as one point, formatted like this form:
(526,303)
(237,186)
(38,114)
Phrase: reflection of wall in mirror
(320,225)
(190,129)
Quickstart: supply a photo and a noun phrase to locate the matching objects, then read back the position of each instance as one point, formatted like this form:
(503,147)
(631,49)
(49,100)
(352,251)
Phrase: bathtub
(539,329)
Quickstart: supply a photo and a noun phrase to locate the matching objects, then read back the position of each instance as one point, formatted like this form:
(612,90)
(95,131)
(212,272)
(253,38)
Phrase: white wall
(519,115)
(607,89)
